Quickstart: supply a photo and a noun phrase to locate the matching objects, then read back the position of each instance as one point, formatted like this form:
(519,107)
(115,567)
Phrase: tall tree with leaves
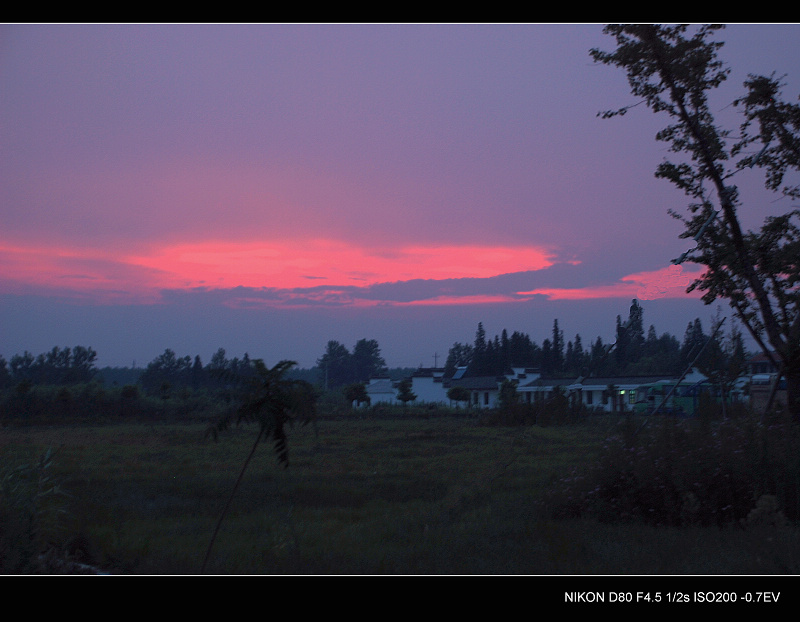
(336,365)
(367,360)
(459,355)
(757,272)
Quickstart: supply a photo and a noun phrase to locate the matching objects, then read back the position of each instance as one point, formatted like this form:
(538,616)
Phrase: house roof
(382,385)
(475,382)
(602,381)
(427,372)
(760,358)
(460,371)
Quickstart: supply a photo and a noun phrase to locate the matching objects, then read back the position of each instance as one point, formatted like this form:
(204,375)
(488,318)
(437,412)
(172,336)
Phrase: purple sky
(266,188)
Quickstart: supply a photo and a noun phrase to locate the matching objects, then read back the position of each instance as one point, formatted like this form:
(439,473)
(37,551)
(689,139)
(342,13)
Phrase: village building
(642,394)
(763,378)
(427,383)
(608,393)
(382,391)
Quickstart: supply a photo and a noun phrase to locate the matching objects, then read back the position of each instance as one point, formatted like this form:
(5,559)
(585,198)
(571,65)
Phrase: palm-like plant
(273,402)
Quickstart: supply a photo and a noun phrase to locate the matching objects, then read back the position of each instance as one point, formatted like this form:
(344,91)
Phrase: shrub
(666,471)
(31,505)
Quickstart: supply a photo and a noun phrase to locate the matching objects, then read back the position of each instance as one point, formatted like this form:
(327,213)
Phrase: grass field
(362,496)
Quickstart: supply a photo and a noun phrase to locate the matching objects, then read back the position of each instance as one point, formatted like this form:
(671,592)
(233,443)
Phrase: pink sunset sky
(266,188)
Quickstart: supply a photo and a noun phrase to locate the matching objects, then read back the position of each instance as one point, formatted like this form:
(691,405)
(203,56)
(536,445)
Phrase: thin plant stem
(230,499)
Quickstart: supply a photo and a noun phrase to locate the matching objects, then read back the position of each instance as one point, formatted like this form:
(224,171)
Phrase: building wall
(428,389)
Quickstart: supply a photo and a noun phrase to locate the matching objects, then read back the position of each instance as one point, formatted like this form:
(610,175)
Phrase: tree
(336,365)
(547,358)
(459,394)
(166,370)
(723,361)
(356,393)
(635,330)
(757,272)
(479,363)
(558,348)
(508,395)
(82,365)
(404,392)
(460,355)
(197,372)
(694,339)
(367,361)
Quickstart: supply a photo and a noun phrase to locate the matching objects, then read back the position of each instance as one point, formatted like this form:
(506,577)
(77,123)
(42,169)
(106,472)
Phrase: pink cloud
(283,265)
(668,282)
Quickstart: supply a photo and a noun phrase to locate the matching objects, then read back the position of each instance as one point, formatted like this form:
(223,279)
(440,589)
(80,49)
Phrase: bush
(31,505)
(667,471)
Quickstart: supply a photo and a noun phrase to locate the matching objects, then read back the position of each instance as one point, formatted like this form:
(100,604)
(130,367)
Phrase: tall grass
(685,472)
(402,495)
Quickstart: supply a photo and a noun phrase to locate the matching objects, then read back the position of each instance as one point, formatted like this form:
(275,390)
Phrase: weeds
(676,472)
(439,495)
(32,506)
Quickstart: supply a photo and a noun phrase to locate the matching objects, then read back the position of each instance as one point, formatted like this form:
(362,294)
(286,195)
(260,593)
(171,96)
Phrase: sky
(266,188)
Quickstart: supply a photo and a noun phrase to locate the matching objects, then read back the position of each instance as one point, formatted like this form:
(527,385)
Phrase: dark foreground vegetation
(400,490)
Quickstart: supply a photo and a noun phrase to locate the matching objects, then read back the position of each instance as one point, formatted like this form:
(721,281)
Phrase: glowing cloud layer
(315,267)
(669,282)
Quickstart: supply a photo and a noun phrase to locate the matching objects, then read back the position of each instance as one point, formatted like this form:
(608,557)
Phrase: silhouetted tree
(367,361)
(723,361)
(558,347)
(757,272)
(272,402)
(165,372)
(458,394)
(693,341)
(459,355)
(335,365)
(356,393)
(404,392)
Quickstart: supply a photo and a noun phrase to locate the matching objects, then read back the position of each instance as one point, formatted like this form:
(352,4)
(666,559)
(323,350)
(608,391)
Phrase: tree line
(634,353)
(58,366)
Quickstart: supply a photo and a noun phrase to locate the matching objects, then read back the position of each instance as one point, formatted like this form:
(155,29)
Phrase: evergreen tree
(622,349)
(635,330)
(557,345)
(693,341)
(548,360)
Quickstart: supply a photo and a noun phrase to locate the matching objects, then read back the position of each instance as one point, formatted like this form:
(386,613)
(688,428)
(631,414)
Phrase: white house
(430,385)
(427,383)
(382,391)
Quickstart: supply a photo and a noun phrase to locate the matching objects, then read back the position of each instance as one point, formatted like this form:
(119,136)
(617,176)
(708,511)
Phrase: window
(588,397)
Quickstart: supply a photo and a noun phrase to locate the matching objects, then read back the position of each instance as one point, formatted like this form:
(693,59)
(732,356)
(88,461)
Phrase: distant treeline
(58,366)
(167,371)
(635,352)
